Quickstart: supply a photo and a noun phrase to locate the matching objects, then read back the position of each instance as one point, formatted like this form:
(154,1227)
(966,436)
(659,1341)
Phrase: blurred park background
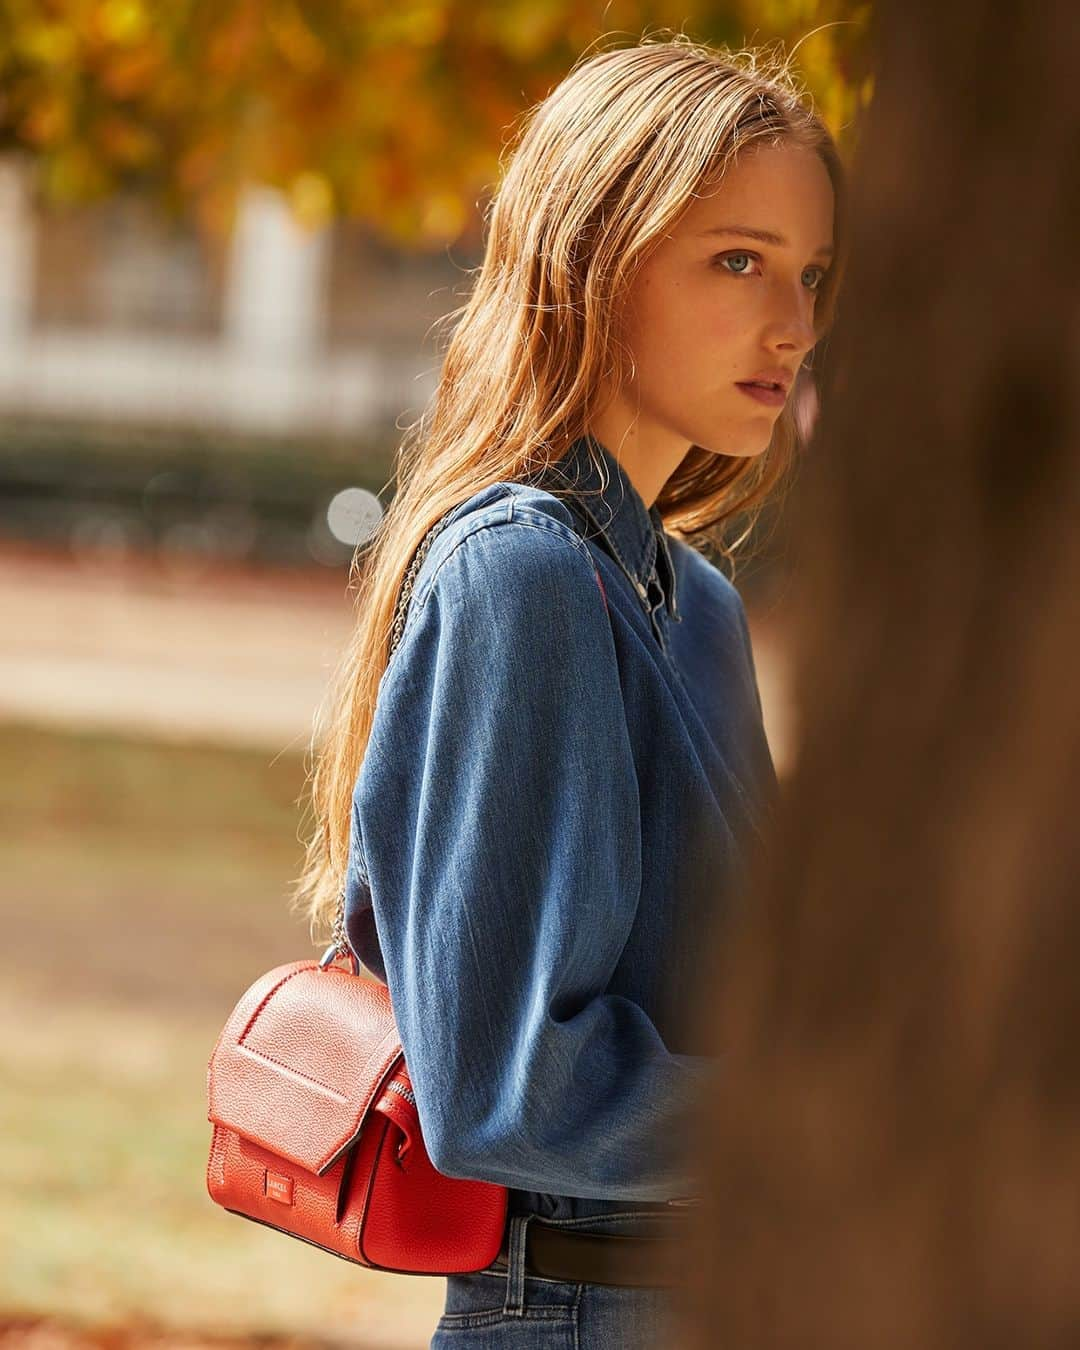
(227,231)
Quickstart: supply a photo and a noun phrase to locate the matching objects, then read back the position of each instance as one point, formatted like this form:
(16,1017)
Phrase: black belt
(600,1258)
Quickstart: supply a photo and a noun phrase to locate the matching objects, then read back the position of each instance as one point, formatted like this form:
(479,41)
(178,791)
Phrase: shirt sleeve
(499,815)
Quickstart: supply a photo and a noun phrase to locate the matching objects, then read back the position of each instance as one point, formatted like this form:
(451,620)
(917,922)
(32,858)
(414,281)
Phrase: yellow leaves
(394,111)
(46,44)
(75,39)
(74,174)
(171,92)
(131,73)
(526,29)
(231,40)
(48,119)
(294,39)
(419,24)
(442,217)
(125,142)
(312,200)
(122,21)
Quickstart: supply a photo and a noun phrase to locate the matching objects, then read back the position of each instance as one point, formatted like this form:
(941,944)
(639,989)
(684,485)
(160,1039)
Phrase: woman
(540,808)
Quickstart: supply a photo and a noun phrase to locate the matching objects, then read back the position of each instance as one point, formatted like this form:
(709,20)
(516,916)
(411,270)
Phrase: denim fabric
(566,765)
(506,1309)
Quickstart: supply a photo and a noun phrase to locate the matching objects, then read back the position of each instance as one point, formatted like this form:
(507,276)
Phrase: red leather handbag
(316,1132)
(315,1126)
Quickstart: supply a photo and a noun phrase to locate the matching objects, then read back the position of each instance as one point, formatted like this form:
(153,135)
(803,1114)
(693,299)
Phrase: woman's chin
(741,451)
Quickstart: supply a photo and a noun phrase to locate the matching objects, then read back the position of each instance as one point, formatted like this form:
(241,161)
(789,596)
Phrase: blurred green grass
(144,887)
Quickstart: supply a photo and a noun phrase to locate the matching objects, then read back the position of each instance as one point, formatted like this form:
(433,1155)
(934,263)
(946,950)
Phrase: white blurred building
(110,312)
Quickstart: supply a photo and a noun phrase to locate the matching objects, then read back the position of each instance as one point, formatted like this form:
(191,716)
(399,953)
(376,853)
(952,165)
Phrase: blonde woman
(539,808)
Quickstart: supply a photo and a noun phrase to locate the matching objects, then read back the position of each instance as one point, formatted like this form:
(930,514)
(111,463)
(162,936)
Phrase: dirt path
(230,654)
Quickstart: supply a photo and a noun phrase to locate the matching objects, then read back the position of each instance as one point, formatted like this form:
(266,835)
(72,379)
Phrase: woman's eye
(822,272)
(739,267)
(735,257)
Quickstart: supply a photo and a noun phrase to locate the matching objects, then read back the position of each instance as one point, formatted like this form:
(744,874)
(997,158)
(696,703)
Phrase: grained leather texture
(309,1138)
(299,1059)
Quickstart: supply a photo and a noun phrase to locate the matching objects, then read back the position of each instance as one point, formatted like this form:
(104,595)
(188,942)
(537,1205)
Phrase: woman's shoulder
(505,533)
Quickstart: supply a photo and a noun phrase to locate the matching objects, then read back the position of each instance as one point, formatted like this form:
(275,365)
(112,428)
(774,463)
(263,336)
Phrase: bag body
(316,1131)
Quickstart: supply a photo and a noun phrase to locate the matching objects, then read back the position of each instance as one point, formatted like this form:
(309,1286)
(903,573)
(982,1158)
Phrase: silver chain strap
(340,943)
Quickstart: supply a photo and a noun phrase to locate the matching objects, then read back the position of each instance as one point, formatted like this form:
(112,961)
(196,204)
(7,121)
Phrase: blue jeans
(493,1309)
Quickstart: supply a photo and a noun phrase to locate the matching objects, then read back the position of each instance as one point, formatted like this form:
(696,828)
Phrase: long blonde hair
(598,173)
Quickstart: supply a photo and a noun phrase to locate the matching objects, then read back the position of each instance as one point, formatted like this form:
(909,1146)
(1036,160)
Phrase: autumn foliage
(390,113)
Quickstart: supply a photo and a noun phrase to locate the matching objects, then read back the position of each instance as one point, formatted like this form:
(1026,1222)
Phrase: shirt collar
(634,532)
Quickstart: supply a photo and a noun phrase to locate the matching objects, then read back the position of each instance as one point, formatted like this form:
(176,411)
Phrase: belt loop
(514,1306)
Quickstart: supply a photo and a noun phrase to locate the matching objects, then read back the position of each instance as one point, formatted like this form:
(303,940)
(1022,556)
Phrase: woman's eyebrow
(765,236)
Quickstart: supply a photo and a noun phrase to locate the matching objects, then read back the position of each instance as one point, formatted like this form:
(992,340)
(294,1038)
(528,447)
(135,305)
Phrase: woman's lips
(775,398)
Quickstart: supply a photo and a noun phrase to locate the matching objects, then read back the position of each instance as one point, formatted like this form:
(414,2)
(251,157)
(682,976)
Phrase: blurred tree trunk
(893,1149)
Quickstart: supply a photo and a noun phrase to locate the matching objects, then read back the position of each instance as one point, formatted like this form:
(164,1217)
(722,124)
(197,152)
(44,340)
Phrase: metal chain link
(340,943)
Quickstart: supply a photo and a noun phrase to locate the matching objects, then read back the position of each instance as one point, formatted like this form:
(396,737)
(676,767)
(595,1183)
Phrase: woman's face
(712,308)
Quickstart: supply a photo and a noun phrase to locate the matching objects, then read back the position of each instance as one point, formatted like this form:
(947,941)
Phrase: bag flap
(300,1059)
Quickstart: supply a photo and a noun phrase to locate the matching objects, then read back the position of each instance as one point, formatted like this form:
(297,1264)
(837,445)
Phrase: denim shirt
(566,762)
